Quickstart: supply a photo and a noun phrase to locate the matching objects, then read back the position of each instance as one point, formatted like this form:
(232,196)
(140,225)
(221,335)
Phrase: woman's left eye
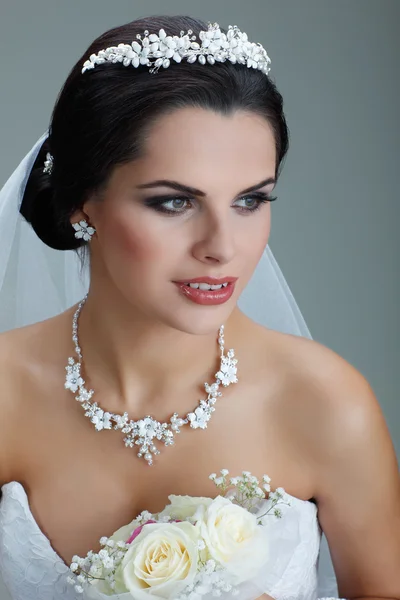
(254,202)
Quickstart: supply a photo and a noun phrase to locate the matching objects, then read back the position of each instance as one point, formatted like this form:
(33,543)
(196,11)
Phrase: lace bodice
(32,570)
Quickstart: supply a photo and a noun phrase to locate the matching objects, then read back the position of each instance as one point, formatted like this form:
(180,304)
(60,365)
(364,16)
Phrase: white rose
(234,539)
(183,507)
(161,561)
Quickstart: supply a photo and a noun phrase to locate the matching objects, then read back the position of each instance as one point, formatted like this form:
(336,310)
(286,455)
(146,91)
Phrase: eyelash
(158,201)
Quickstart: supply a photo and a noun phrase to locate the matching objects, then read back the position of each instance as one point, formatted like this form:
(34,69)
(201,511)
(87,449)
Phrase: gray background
(335,225)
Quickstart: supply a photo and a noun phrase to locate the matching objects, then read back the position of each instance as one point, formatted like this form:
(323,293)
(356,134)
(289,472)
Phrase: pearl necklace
(146,431)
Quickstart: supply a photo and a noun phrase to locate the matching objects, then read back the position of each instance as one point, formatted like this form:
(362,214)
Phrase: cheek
(134,241)
(256,238)
(264,228)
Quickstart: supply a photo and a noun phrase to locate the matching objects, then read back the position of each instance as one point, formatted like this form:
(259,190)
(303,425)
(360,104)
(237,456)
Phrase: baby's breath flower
(108,562)
(266,479)
(224,472)
(210,566)
(212,476)
(79,589)
(103,541)
(74,567)
(278,494)
(145,515)
(219,481)
(246,474)
(95,570)
(165,519)
(110,578)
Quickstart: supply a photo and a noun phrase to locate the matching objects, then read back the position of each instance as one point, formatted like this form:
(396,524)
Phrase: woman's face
(150,235)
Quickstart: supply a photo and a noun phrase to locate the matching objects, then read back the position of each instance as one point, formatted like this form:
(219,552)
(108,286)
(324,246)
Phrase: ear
(86,213)
(77,216)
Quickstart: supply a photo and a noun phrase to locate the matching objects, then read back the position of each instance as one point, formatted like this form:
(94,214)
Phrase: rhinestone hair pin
(157,50)
(48,164)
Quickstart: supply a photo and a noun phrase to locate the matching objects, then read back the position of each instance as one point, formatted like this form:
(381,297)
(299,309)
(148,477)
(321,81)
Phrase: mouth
(208,291)
(206,286)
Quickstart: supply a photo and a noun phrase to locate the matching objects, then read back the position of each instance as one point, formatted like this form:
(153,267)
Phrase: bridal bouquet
(195,548)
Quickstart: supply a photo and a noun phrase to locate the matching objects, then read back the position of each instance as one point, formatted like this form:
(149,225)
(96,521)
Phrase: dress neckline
(24,501)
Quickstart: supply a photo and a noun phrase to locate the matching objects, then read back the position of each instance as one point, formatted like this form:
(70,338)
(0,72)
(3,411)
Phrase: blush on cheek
(135,243)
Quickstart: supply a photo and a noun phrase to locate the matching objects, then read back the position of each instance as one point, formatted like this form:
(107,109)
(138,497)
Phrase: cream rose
(183,507)
(234,539)
(160,561)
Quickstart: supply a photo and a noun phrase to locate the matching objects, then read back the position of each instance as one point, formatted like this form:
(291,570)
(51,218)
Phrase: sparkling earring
(83,230)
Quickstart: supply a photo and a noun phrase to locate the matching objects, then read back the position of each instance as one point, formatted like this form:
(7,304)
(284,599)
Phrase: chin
(204,320)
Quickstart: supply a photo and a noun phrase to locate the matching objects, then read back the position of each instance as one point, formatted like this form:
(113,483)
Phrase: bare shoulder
(14,352)
(25,356)
(326,402)
(336,392)
(329,406)
(328,385)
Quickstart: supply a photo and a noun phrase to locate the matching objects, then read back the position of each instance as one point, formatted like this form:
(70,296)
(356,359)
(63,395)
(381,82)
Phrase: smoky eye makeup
(181,203)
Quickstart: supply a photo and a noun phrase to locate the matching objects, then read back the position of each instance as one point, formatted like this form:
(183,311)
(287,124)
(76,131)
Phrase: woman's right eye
(176,204)
(170,205)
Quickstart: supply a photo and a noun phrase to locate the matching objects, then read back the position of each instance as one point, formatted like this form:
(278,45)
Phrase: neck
(137,364)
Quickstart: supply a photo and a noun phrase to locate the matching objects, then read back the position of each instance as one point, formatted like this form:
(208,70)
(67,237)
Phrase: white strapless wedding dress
(32,570)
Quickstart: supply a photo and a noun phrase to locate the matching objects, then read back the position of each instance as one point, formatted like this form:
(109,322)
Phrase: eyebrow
(195,192)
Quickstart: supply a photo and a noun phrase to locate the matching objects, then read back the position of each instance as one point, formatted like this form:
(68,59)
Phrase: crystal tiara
(157,50)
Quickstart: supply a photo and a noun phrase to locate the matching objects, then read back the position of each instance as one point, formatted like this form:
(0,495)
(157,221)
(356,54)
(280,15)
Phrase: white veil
(37,282)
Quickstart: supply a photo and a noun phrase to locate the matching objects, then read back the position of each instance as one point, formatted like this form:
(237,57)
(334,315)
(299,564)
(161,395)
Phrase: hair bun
(38,208)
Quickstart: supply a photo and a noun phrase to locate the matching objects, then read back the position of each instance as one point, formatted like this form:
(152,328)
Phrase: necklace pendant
(144,432)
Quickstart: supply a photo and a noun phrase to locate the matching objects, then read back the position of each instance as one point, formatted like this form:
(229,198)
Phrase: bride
(161,180)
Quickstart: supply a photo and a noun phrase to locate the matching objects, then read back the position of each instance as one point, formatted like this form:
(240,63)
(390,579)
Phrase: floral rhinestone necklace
(145,432)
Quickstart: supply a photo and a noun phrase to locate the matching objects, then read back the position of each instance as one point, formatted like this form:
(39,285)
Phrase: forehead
(190,140)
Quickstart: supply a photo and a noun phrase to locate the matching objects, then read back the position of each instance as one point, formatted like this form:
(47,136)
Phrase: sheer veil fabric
(37,282)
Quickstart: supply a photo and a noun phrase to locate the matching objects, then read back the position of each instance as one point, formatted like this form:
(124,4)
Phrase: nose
(215,240)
